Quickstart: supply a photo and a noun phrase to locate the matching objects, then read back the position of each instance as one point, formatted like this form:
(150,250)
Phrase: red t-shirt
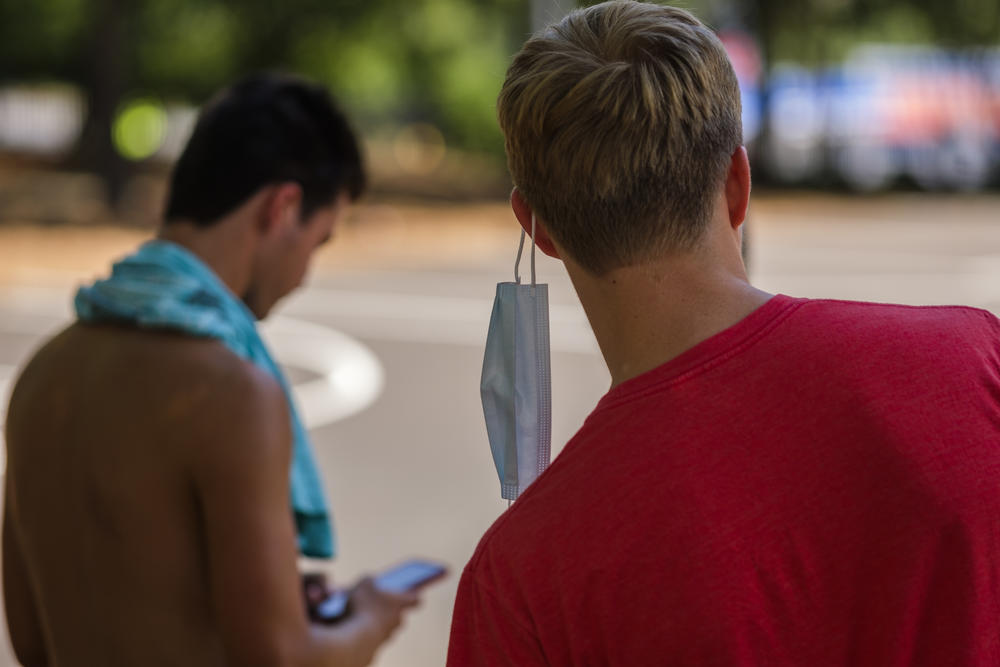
(817,485)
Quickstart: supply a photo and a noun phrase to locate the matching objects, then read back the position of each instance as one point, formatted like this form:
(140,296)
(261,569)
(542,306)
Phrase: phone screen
(334,607)
(400,579)
(409,575)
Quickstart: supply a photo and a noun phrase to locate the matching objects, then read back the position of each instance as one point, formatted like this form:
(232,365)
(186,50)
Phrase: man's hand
(375,615)
(315,589)
(382,610)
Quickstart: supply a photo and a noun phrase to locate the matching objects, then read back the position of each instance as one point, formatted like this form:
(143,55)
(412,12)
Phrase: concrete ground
(393,324)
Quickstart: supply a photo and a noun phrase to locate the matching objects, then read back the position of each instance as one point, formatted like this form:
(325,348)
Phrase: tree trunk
(105,88)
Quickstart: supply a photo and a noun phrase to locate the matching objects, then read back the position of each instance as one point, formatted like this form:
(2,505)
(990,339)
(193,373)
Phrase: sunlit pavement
(385,347)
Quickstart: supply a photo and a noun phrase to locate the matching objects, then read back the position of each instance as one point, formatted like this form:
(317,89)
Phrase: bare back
(103,496)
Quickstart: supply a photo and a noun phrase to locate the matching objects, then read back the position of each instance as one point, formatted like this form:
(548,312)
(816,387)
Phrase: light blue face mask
(516,385)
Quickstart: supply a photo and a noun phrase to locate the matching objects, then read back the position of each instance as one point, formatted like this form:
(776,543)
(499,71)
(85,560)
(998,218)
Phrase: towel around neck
(165,286)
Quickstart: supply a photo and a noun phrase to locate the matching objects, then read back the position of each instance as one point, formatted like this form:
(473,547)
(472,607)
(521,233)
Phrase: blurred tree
(26,26)
(185,49)
(434,61)
(104,79)
(437,61)
(429,61)
(823,31)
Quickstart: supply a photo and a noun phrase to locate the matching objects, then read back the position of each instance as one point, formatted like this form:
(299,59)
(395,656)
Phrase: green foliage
(891,25)
(431,61)
(460,57)
(821,32)
(40,39)
(437,61)
(362,68)
(186,48)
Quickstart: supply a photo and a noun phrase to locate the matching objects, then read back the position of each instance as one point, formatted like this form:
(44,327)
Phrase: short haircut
(619,123)
(265,129)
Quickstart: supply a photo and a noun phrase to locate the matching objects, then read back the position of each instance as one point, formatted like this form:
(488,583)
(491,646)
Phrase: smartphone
(407,576)
(410,575)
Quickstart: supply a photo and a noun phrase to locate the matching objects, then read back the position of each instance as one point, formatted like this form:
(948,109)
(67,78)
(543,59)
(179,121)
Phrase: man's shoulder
(121,349)
(193,383)
(211,392)
(898,325)
(546,512)
(902,313)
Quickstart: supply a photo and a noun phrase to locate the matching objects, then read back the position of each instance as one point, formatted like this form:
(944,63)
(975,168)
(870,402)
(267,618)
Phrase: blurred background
(858,95)
(873,127)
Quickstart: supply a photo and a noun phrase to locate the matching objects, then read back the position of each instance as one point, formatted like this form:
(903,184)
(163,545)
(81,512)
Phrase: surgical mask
(516,384)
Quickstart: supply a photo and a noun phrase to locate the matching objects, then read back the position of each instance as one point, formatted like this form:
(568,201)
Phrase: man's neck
(648,314)
(222,247)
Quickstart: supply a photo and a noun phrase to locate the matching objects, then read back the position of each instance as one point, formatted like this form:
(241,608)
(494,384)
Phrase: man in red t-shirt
(770,480)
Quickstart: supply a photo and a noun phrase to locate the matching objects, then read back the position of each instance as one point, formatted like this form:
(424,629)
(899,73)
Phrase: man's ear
(523,213)
(282,209)
(738,187)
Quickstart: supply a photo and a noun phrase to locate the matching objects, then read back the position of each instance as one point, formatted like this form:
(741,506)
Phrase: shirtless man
(147,499)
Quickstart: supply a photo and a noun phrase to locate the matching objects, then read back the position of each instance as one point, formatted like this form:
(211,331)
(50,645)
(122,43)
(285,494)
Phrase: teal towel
(164,286)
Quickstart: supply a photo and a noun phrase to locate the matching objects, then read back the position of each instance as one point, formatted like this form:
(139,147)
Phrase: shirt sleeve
(486,633)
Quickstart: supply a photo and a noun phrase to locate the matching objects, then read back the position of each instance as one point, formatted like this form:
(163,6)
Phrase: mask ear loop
(520,249)
(532,251)
(517,262)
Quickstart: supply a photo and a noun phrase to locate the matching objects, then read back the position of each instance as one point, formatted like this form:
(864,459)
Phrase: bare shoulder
(225,407)
(193,390)
(228,402)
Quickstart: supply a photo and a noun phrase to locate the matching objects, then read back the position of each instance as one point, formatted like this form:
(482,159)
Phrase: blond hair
(619,122)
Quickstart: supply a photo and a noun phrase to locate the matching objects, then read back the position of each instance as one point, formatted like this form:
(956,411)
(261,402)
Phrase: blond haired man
(770,480)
